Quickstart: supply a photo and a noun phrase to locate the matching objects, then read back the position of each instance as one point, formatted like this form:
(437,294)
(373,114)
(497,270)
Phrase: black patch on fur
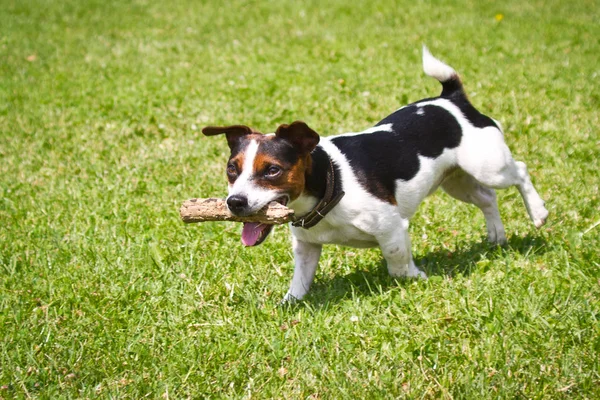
(316,179)
(239,147)
(282,150)
(452,86)
(453,90)
(380,158)
(476,118)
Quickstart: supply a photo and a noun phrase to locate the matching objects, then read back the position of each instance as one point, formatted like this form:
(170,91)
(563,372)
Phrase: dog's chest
(352,223)
(332,233)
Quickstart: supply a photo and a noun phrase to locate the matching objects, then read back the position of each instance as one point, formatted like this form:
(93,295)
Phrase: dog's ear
(233,133)
(300,135)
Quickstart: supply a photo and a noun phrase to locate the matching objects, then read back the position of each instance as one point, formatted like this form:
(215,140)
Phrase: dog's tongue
(251,233)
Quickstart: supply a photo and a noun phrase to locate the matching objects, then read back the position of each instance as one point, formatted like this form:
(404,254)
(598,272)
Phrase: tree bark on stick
(202,210)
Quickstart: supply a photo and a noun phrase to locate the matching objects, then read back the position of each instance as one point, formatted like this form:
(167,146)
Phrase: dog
(361,189)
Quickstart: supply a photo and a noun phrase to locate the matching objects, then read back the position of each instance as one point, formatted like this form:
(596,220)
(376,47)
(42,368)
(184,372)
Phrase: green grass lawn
(105,293)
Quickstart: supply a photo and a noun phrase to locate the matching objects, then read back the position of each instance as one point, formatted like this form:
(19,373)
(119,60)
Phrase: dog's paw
(539,216)
(289,299)
(407,271)
(497,237)
(414,272)
(538,212)
(419,275)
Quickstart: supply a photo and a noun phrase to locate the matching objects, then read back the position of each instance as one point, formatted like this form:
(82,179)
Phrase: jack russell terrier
(361,189)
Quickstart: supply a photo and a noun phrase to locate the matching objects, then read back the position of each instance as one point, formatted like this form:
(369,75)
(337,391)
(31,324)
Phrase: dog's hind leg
(395,246)
(533,202)
(465,188)
(485,156)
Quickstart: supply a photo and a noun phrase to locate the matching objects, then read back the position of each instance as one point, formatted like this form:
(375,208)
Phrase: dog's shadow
(374,279)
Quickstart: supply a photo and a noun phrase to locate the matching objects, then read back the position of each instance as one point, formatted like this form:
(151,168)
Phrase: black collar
(324,206)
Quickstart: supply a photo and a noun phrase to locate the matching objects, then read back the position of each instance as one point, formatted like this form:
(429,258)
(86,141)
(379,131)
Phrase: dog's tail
(451,84)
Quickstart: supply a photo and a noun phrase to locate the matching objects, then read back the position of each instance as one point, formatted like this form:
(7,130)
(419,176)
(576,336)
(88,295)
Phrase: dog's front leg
(395,246)
(306,259)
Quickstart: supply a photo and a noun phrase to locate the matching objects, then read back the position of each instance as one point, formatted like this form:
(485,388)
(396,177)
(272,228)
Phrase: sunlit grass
(105,293)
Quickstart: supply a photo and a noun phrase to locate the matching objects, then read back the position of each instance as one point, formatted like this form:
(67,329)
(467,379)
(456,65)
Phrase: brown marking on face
(293,166)
(273,151)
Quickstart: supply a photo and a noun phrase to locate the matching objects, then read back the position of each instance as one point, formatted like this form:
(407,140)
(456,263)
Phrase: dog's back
(389,156)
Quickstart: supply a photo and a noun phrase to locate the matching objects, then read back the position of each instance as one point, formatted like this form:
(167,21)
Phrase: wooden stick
(201,210)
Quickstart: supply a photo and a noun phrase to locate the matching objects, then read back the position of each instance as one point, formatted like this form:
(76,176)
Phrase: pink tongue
(251,233)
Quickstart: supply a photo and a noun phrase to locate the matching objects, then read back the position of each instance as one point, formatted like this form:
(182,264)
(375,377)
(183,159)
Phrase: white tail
(437,69)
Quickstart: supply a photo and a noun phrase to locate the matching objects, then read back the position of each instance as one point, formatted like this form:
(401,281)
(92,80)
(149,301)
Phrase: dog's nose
(237,203)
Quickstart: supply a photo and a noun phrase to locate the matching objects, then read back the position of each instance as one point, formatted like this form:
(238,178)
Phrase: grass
(105,293)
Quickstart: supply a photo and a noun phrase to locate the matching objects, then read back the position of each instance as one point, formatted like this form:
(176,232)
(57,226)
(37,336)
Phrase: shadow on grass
(373,279)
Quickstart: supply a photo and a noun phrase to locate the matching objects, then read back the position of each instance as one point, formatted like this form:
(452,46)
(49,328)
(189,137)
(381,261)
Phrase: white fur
(379,128)
(435,68)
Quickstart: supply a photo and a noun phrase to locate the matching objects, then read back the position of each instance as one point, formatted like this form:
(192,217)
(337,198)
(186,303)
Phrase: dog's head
(265,168)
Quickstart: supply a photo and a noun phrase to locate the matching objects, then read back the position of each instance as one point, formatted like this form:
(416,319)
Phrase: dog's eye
(273,171)
(231,169)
